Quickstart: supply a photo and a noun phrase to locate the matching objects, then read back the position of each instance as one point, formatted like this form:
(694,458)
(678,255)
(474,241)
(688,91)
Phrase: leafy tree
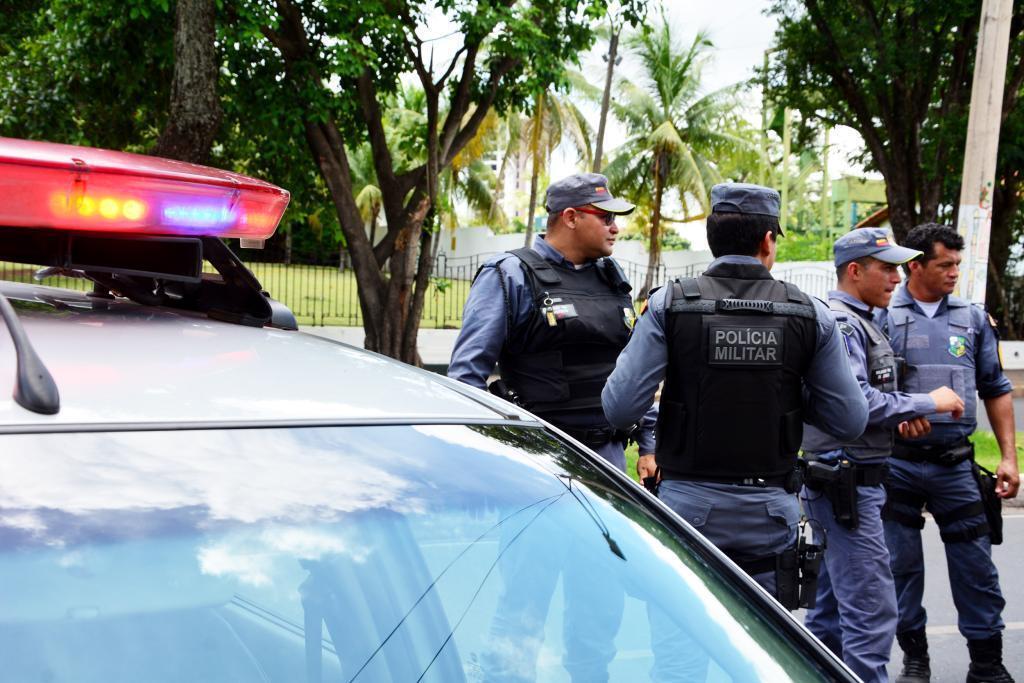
(332,66)
(897,72)
(675,132)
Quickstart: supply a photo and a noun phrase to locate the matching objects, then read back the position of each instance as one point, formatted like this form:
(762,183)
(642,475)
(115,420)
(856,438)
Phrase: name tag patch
(882,375)
(734,345)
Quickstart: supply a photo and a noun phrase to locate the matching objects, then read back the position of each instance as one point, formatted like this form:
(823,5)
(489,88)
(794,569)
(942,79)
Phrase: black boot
(916,667)
(987,661)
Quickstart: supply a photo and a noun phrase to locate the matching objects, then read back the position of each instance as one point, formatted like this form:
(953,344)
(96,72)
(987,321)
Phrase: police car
(192,490)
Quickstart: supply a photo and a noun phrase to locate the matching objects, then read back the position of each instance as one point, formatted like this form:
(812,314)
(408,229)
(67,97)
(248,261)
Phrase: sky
(740,31)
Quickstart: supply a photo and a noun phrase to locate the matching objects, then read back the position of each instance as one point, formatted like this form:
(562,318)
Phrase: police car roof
(132,366)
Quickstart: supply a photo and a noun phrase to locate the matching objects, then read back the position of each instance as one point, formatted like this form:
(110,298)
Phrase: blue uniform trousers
(747,523)
(855,616)
(972,574)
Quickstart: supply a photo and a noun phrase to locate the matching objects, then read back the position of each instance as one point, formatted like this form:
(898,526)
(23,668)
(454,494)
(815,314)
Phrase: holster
(809,557)
(991,501)
(501,389)
(787,578)
(838,483)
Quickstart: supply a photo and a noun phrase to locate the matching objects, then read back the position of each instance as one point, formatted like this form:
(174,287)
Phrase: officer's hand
(1007,479)
(646,467)
(946,401)
(914,429)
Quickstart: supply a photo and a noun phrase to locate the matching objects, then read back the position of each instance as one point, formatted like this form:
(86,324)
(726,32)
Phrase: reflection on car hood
(132,364)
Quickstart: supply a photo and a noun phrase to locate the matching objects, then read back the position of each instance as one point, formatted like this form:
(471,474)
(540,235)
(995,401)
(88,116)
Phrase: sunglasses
(607,218)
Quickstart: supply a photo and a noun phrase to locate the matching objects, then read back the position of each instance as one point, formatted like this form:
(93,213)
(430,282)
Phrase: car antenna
(34,388)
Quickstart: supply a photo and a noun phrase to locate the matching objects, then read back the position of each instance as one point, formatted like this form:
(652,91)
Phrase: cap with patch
(582,189)
(874,242)
(745,198)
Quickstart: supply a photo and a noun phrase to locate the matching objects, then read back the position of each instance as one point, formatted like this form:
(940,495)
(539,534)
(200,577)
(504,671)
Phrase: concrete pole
(975,214)
(826,183)
(787,119)
(762,171)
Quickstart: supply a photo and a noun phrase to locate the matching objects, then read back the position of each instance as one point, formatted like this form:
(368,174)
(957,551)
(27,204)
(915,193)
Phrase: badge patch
(957,346)
(563,311)
(733,345)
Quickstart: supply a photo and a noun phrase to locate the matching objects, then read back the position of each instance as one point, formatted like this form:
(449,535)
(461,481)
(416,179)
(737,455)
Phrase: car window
(387,553)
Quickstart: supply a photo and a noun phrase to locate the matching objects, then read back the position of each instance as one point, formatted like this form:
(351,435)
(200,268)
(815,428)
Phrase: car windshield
(377,553)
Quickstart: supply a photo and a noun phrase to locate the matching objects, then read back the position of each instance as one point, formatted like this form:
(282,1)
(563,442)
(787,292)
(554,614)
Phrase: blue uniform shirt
(885,408)
(833,400)
(485,326)
(976,350)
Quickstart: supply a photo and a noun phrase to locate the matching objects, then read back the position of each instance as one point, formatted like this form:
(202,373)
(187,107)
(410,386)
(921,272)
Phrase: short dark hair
(841,268)
(553,217)
(923,238)
(738,234)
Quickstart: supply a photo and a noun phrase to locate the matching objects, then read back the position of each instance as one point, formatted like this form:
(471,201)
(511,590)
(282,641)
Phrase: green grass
(317,295)
(986,452)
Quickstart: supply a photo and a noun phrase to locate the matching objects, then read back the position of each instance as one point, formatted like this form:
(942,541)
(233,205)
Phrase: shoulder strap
(611,272)
(870,329)
(537,266)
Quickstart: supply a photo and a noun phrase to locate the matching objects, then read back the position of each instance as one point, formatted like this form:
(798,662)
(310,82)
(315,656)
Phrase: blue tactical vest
(939,351)
(877,441)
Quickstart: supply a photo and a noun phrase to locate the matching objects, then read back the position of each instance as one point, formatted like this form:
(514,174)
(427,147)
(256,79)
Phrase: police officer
(947,340)
(855,610)
(556,316)
(736,348)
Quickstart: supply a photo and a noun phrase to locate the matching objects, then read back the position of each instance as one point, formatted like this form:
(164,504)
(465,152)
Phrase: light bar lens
(74,199)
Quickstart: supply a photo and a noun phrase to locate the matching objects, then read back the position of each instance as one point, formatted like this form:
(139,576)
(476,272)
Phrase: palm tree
(554,118)
(674,131)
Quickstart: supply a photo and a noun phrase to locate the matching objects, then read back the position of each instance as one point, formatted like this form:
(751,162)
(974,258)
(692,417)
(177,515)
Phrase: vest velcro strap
(709,306)
(890,514)
(962,512)
(688,306)
(691,290)
(798,310)
(966,535)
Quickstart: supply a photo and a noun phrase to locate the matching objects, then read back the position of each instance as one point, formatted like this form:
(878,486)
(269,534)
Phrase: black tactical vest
(560,360)
(739,343)
(877,440)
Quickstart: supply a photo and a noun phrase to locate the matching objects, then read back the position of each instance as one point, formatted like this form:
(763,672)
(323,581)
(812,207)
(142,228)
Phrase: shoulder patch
(844,327)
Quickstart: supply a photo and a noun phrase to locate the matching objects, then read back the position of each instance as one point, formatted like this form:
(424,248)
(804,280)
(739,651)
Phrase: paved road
(947,647)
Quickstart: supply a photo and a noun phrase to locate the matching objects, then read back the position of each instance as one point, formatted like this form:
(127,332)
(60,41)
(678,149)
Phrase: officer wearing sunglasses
(563,314)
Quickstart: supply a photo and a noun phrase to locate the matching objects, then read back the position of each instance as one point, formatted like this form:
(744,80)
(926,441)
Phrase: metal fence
(327,294)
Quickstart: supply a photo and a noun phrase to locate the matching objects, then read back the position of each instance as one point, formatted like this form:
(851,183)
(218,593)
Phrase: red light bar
(80,188)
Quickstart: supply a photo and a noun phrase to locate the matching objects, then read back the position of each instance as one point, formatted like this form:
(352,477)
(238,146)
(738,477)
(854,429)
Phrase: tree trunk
(536,137)
(1006,202)
(654,248)
(195,111)
(613,49)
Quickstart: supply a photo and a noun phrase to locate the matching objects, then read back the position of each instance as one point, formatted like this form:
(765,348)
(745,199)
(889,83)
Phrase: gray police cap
(745,198)
(581,189)
(873,242)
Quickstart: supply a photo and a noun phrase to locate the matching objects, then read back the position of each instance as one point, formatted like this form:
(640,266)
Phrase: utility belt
(990,504)
(947,456)
(597,436)
(790,482)
(796,573)
(839,482)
